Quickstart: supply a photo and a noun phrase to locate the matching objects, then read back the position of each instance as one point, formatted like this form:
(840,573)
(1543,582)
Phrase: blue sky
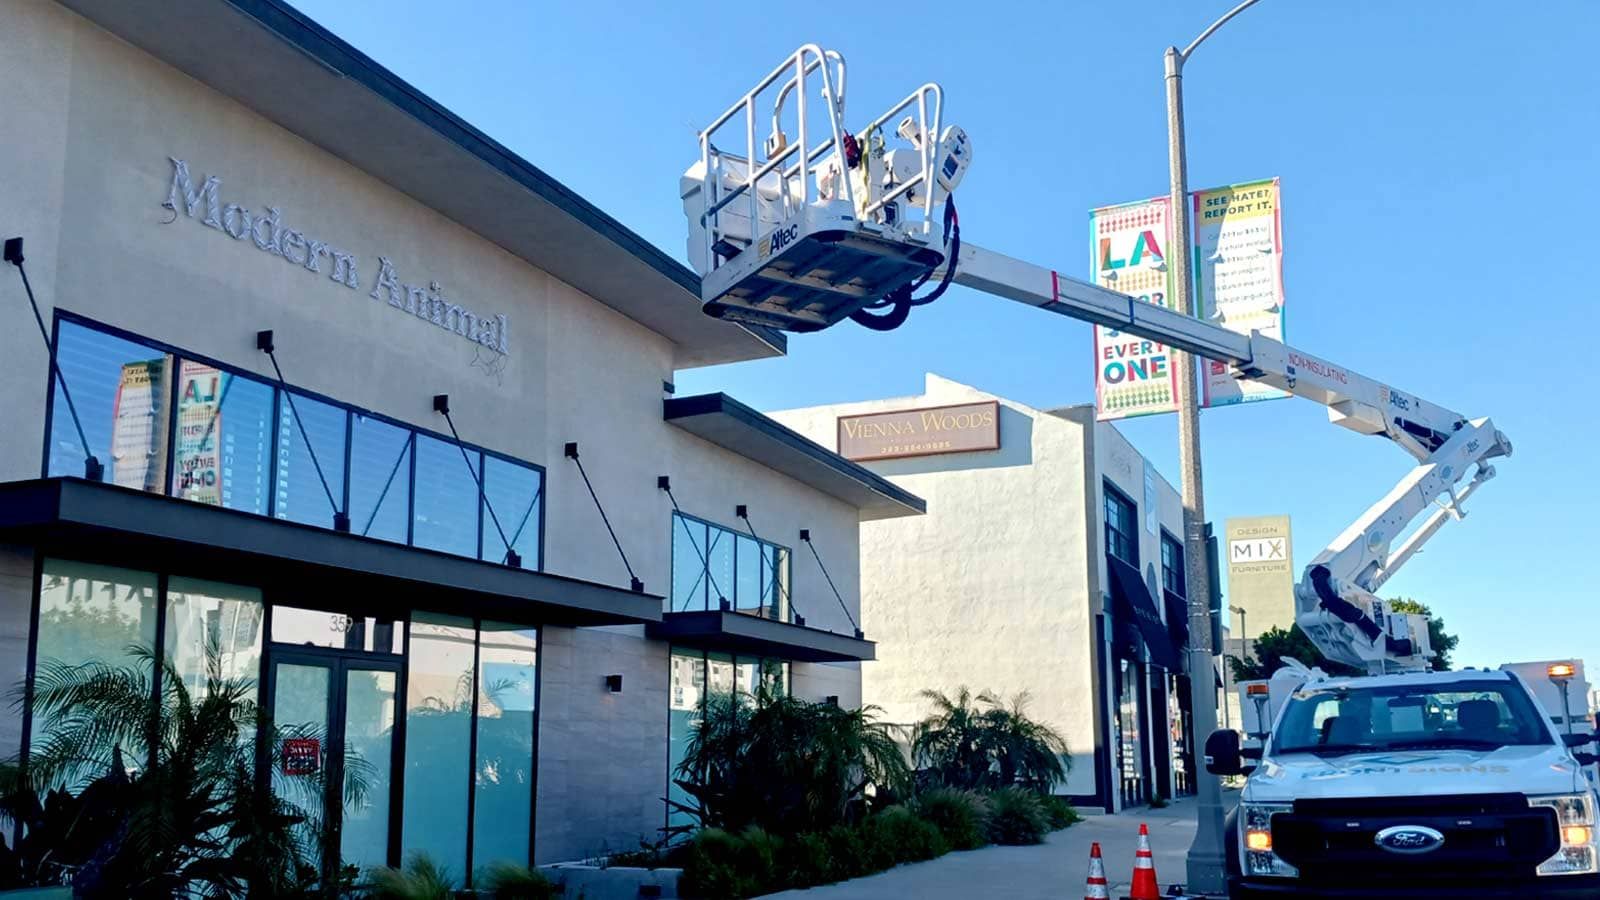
(1437,160)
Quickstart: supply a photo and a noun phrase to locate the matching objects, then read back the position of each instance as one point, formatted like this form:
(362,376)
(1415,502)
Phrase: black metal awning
(119,526)
(1131,602)
(734,632)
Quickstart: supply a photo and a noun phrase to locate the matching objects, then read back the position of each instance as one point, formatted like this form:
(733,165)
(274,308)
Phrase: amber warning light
(1561,671)
(1253,690)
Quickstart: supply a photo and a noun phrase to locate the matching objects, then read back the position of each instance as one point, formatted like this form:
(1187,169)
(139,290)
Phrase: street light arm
(1184,56)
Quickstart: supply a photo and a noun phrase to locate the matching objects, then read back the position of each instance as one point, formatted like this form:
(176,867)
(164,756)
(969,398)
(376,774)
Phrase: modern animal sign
(264,227)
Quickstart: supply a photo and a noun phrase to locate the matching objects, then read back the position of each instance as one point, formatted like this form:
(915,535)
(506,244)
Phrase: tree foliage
(981,743)
(785,765)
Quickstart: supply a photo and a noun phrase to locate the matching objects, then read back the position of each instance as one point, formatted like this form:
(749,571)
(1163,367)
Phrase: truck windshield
(1462,714)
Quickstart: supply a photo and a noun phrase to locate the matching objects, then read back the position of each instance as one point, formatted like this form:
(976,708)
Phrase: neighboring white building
(440,594)
(1010,582)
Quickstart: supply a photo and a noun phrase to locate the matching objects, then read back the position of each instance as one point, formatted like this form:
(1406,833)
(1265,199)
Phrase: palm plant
(786,765)
(981,743)
(170,802)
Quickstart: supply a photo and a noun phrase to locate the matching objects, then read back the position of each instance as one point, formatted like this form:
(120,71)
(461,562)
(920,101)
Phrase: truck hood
(1544,769)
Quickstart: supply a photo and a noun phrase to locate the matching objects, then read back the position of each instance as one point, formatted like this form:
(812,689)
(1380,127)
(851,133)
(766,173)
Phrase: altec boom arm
(801,234)
(1336,604)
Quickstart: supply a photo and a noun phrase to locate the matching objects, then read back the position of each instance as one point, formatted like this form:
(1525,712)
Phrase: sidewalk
(1050,871)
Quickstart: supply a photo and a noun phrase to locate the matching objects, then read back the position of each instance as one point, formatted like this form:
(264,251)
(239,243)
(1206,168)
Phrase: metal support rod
(441,405)
(264,343)
(571,452)
(1207,861)
(93,469)
(806,537)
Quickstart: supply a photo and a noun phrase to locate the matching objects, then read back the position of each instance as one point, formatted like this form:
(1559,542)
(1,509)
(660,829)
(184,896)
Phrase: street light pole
(1207,858)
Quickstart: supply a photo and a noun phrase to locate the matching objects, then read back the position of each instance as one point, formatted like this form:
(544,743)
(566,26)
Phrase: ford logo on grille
(1409,839)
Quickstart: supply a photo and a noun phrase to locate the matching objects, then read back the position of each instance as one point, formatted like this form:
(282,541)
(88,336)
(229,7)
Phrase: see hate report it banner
(1128,253)
(1238,251)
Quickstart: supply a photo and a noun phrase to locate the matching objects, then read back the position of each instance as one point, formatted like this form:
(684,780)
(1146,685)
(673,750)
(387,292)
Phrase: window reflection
(90,614)
(337,630)
(446,514)
(224,423)
(380,478)
(515,493)
(503,776)
(684,710)
(213,624)
(300,496)
(688,565)
(439,689)
(122,391)
(711,563)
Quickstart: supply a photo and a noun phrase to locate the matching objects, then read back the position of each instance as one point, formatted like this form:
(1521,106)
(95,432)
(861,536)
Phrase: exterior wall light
(614,684)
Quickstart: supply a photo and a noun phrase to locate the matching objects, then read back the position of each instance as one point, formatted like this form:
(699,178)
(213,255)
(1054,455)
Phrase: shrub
(1019,817)
(722,866)
(509,881)
(421,879)
(1060,813)
(980,743)
(806,862)
(897,836)
(849,851)
(962,817)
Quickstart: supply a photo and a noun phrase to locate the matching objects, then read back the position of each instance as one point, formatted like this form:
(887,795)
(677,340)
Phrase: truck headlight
(1256,855)
(1575,819)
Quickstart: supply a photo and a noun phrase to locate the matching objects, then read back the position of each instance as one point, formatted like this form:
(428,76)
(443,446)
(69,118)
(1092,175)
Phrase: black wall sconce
(614,684)
(831,699)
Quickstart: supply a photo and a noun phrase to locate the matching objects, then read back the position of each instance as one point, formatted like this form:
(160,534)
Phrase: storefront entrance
(336,756)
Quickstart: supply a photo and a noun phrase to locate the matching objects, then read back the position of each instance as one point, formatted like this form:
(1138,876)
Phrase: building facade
(1050,561)
(347,399)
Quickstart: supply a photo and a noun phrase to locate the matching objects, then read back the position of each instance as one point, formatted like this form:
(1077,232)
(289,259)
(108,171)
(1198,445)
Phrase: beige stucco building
(455,523)
(1010,582)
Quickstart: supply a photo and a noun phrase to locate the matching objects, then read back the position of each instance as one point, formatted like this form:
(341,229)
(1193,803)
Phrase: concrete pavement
(1053,870)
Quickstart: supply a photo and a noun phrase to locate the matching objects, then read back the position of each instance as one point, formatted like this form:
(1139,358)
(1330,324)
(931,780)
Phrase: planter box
(581,882)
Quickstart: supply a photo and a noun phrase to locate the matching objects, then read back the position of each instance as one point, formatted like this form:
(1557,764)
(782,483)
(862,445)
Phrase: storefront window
(688,565)
(514,492)
(224,438)
(1121,527)
(404,486)
(711,563)
(122,391)
(685,707)
(503,778)
(90,614)
(380,479)
(213,624)
(439,690)
(300,495)
(446,515)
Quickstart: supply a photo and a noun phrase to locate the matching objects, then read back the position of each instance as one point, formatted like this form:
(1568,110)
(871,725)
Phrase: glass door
(334,759)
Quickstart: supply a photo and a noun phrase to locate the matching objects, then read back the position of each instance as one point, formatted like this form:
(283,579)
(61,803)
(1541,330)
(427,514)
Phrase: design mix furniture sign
(1260,573)
(1128,253)
(1238,248)
(920,432)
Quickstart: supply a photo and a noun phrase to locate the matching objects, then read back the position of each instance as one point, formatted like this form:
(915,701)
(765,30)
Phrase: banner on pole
(1238,251)
(1128,248)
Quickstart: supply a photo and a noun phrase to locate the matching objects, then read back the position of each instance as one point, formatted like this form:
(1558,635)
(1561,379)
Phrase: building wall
(86,187)
(988,590)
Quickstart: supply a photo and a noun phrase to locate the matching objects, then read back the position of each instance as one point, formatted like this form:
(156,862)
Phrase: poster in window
(138,433)
(301,756)
(199,475)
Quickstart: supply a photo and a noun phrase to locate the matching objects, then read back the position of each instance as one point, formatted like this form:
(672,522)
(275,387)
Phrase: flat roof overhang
(733,632)
(121,526)
(273,59)
(734,426)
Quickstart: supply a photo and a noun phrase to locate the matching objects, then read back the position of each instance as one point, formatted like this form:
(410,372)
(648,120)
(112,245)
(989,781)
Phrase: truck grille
(1487,837)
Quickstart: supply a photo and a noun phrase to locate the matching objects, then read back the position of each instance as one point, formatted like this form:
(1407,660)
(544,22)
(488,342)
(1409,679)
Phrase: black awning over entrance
(1131,602)
(116,525)
(734,632)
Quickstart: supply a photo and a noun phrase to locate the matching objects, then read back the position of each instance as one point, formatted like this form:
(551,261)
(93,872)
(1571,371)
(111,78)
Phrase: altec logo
(779,239)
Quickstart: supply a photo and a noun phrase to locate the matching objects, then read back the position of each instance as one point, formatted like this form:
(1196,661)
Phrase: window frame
(1111,494)
(350,410)
(1174,578)
(784,590)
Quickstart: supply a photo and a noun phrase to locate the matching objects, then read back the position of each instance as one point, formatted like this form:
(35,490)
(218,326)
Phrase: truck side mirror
(1586,759)
(1577,740)
(1223,754)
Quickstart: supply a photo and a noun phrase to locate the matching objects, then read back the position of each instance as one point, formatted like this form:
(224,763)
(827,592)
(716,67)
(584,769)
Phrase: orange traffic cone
(1097,876)
(1144,870)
